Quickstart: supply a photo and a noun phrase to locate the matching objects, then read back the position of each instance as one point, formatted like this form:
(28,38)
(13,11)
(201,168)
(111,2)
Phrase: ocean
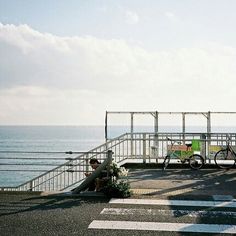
(17,139)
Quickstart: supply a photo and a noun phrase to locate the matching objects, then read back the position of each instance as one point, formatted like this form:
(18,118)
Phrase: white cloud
(171,16)
(131,17)
(73,80)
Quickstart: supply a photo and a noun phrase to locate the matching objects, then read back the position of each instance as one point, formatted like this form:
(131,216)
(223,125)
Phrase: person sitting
(98,183)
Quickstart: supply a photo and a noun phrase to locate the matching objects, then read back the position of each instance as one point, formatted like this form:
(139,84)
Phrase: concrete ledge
(170,166)
(56,194)
(91,194)
(22,192)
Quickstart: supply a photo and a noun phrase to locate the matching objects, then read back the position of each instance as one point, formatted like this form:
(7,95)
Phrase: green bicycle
(183,152)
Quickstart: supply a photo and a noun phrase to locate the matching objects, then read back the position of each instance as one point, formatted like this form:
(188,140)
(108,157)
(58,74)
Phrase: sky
(66,62)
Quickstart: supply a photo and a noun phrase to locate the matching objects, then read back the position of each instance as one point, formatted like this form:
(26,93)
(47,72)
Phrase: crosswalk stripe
(157,226)
(228,204)
(138,211)
(223,197)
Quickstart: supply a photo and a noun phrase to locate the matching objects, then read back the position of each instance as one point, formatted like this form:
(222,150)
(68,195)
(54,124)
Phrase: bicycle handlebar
(173,141)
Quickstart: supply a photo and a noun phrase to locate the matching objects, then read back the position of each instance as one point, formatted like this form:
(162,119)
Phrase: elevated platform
(178,182)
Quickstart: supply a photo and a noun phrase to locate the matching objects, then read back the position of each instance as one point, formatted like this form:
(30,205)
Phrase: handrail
(32,152)
(66,168)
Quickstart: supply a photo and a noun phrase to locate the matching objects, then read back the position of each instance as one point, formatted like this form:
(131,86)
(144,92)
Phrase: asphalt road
(72,215)
(50,215)
(32,214)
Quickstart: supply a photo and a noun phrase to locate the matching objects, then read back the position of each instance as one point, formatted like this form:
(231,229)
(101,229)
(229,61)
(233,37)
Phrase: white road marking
(157,226)
(228,204)
(223,197)
(138,211)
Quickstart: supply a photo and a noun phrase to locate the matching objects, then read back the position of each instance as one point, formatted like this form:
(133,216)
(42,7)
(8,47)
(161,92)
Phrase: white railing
(136,147)
(69,174)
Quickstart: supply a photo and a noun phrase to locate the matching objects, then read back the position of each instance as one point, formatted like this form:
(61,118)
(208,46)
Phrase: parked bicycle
(226,157)
(183,152)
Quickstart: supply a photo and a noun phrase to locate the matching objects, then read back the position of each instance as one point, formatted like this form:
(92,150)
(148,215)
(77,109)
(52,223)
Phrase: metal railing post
(106,126)
(109,156)
(31,186)
(208,133)
(87,164)
(144,148)
(183,126)
(156,129)
(132,131)
(203,147)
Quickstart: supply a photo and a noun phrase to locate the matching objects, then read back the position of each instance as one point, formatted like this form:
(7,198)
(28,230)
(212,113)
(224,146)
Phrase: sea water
(16,141)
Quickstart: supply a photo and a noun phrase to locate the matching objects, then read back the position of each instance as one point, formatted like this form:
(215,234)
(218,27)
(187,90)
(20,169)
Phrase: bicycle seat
(188,145)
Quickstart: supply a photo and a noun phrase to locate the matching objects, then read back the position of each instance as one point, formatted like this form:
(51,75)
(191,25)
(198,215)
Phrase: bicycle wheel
(224,159)
(196,161)
(166,162)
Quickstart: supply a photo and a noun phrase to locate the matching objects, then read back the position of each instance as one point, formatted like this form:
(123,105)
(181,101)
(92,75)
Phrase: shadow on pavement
(13,204)
(185,181)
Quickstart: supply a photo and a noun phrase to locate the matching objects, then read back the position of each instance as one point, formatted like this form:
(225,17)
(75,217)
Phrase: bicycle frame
(226,157)
(183,152)
(229,148)
(180,151)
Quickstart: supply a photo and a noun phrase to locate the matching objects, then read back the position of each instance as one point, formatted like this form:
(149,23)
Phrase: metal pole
(156,143)
(208,133)
(106,126)
(203,146)
(31,186)
(209,122)
(87,163)
(156,122)
(156,128)
(144,148)
(109,157)
(132,131)
(183,126)
(132,123)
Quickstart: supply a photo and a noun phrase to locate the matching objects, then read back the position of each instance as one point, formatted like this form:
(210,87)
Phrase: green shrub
(114,169)
(118,189)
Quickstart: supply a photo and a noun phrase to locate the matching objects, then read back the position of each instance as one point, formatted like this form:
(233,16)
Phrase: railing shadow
(45,203)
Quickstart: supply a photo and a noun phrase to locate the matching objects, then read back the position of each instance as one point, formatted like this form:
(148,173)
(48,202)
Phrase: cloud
(171,16)
(34,58)
(66,80)
(40,106)
(131,17)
